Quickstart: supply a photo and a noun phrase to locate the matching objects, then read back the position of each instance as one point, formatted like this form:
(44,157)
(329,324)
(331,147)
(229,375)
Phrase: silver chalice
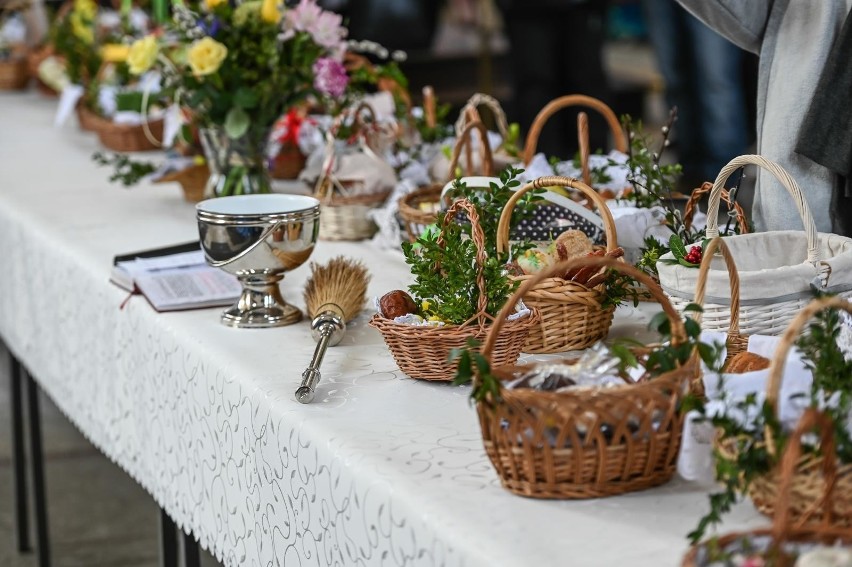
(259,238)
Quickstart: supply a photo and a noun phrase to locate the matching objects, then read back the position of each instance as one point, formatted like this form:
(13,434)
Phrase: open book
(175,278)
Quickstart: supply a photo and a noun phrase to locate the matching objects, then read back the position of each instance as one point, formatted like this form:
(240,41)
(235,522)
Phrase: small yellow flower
(86,8)
(269,12)
(425,305)
(142,54)
(205,56)
(210,4)
(81,30)
(115,52)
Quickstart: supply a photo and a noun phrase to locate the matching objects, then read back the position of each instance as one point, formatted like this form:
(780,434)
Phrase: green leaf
(684,262)
(237,122)
(693,307)
(245,97)
(677,247)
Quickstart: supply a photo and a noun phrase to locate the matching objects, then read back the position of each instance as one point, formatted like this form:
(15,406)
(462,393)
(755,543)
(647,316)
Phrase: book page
(140,266)
(194,286)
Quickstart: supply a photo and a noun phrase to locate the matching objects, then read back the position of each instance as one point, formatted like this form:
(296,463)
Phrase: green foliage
(72,37)
(125,170)
(490,204)
(745,421)
(652,181)
(487,390)
(598,174)
(652,251)
(445,275)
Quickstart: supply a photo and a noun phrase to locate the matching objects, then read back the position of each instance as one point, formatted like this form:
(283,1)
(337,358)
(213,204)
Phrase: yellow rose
(115,52)
(210,4)
(86,8)
(205,56)
(142,54)
(81,30)
(269,12)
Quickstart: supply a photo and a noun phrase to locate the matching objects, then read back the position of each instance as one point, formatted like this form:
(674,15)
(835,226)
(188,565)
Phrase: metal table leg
(39,494)
(191,557)
(168,541)
(19,464)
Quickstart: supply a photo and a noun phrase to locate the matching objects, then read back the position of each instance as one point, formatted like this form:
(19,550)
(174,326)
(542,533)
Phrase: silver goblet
(259,238)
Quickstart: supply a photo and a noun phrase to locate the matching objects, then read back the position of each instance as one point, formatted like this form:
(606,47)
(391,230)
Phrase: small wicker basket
(699,193)
(470,113)
(419,208)
(14,73)
(784,531)
(122,137)
(422,352)
(585,443)
(192,180)
(807,486)
(572,315)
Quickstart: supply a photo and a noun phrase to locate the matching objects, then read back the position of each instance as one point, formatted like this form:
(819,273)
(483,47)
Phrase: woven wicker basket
(807,485)
(470,113)
(586,443)
(192,180)
(566,101)
(786,528)
(776,284)
(123,137)
(419,208)
(422,352)
(736,211)
(14,74)
(572,315)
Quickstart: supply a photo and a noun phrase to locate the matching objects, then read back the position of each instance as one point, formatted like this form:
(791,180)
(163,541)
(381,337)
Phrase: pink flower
(330,77)
(325,27)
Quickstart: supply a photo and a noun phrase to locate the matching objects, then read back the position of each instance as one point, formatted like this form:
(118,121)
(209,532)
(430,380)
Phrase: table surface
(379,470)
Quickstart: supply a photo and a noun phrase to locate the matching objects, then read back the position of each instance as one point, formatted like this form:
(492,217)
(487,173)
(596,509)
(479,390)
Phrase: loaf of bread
(746,362)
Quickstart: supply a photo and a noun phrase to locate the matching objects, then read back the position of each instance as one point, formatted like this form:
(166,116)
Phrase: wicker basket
(572,315)
(14,74)
(86,118)
(470,113)
(123,137)
(807,486)
(777,284)
(586,443)
(824,531)
(422,352)
(558,104)
(419,208)
(288,163)
(735,210)
(192,180)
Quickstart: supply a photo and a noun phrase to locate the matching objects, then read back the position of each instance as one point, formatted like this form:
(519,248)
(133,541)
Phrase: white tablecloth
(379,470)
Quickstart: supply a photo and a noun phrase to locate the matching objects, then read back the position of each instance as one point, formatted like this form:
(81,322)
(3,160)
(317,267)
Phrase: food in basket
(826,557)
(396,303)
(594,368)
(746,362)
(572,244)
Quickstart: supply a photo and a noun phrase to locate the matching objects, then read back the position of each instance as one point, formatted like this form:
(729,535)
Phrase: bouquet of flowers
(240,66)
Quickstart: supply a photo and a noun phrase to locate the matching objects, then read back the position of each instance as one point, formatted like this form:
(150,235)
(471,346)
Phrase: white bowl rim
(254,205)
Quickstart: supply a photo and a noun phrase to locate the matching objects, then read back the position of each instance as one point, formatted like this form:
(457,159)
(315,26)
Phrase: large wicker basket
(422,352)
(786,527)
(776,283)
(585,443)
(419,208)
(807,485)
(551,108)
(572,314)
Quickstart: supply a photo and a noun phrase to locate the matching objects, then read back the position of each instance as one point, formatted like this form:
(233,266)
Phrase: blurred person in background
(556,50)
(701,70)
(395,24)
(804,101)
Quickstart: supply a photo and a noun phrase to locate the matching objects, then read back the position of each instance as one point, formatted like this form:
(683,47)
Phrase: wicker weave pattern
(807,485)
(422,352)
(699,193)
(789,524)
(122,137)
(416,220)
(572,316)
(586,443)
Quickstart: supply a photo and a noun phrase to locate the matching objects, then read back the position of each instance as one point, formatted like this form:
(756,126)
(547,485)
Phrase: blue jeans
(702,72)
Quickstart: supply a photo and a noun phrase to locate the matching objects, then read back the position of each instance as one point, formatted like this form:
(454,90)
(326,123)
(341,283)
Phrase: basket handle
(678,330)
(699,193)
(782,176)
(583,144)
(472,104)
(572,100)
(733,278)
(463,141)
(550,181)
(811,419)
(779,359)
(478,237)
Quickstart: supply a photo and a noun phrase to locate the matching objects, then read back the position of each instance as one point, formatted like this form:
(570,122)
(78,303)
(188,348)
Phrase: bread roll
(746,362)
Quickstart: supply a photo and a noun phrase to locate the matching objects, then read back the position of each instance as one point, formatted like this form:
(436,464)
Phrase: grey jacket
(793,39)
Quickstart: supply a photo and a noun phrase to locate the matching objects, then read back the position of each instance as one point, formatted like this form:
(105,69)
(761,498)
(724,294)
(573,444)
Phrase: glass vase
(237,165)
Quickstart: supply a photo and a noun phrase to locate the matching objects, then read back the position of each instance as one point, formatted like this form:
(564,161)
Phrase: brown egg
(395,304)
